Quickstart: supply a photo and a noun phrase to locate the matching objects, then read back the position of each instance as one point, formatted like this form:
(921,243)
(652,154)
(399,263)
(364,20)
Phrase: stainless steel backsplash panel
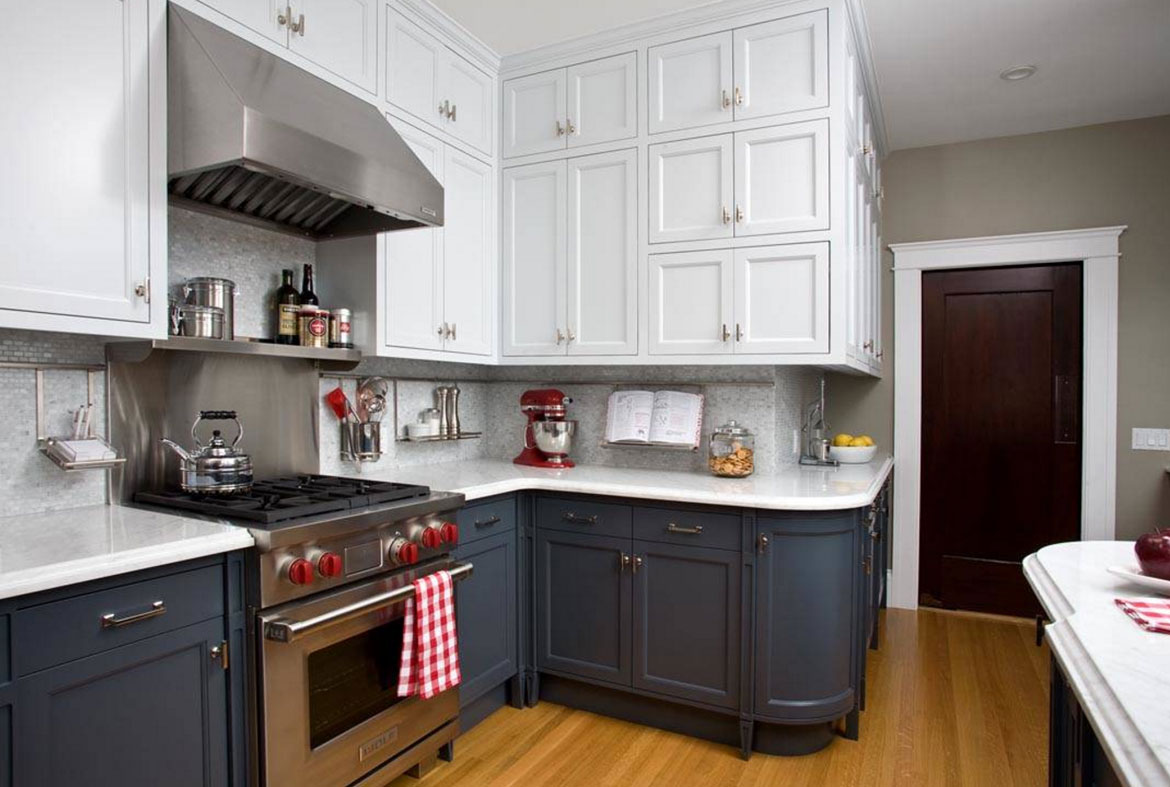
(276,399)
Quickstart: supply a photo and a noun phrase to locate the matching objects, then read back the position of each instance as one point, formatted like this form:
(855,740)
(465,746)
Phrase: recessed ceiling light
(1016,73)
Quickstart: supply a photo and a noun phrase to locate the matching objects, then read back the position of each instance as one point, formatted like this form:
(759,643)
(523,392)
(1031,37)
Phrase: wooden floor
(954,699)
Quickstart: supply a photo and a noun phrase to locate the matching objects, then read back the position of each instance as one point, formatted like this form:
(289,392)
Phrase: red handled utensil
(340,405)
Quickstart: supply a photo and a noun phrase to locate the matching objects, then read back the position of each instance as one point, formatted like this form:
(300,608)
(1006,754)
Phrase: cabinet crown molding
(451,33)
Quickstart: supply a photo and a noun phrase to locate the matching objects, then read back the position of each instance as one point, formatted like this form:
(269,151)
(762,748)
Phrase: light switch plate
(1151,439)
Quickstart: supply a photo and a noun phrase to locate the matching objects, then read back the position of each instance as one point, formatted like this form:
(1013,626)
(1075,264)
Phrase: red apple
(1153,553)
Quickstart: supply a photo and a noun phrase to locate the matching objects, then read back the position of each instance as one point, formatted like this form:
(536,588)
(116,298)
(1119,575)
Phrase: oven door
(329,710)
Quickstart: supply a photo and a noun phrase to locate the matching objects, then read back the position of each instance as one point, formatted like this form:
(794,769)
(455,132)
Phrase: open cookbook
(664,418)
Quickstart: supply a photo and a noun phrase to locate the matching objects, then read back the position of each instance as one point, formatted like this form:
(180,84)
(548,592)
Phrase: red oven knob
(329,565)
(450,532)
(300,572)
(403,552)
(431,538)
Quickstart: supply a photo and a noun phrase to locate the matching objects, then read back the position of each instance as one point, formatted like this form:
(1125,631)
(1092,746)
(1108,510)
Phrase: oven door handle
(285,630)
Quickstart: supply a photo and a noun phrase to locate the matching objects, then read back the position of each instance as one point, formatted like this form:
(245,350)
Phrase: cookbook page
(628,417)
(677,418)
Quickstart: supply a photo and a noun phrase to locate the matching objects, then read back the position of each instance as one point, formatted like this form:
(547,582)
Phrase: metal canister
(314,326)
(341,329)
(213,291)
(203,322)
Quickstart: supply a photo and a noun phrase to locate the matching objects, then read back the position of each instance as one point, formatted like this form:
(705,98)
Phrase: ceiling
(937,61)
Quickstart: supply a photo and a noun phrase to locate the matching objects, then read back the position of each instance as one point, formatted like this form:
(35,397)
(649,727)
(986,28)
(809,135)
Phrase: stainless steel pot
(215,468)
(204,322)
(212,291)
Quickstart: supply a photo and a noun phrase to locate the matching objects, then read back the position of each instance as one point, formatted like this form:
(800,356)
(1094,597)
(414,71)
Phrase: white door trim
(1097,250)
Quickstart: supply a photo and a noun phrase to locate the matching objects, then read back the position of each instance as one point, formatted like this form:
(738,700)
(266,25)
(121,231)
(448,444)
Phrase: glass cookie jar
(733,451)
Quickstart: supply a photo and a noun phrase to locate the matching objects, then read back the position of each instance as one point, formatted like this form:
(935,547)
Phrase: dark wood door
(1001,454)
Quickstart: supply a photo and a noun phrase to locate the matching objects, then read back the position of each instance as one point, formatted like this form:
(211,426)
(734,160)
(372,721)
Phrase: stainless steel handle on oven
(671,527)
(283,630)
(112,621)
(579,520)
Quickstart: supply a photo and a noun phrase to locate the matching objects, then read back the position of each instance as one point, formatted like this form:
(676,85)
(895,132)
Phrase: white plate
(1135,575)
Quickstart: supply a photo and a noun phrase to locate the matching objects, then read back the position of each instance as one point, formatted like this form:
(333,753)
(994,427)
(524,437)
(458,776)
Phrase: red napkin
(430,647)
(1150,615)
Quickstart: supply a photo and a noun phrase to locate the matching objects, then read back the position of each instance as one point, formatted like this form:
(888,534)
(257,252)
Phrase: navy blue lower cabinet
(152,712)
(583,605)
(687,622)
(485,609)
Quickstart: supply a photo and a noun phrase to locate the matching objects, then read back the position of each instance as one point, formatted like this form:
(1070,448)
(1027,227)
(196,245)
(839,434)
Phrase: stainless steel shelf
(328,358)
(69,467)
(439,438)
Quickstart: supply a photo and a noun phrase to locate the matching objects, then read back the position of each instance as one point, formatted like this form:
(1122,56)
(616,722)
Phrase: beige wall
(1095,176)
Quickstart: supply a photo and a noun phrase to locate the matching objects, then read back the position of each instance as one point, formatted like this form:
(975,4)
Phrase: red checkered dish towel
(430,647)
(1150,615)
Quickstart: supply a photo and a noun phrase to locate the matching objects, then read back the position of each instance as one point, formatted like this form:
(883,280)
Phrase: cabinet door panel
(534,259)
(603,254)
(690,303)
(470,92)
(782,299)
(691,189)
(340,36)
(687,622)
(78,121)
(583,606)
(485,615)
(259,15)
(414,270)
(414,60)
(603,98)
(782,66)
(782,179)
(534,113)
(468,287)
(690,83)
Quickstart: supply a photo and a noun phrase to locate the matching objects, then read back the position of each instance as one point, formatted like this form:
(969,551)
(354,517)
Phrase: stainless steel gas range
(327,582)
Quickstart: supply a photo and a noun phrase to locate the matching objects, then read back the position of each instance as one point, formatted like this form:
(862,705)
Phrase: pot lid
(732,427)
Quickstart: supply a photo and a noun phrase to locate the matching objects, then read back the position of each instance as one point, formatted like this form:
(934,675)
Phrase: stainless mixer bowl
(554,438)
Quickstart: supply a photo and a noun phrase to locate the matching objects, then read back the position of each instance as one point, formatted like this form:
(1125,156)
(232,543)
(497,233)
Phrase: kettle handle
(218,415)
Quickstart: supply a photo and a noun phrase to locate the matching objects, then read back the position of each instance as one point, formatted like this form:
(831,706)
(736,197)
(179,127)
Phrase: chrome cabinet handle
(738,97)
(560,129)
(726,100)
(726,215)
(671,527)
(638,563)
(867,346)
(560,336)
(298,26)
(570,127)
(579,520)
(738,215)
(445,108)
(572,336)
(880,354)
(763,545)
(112,621)
(738,333)
(282,17)
(442,331)
(623,562)
(726,333)
(451,334)
(491,520)
(220,653)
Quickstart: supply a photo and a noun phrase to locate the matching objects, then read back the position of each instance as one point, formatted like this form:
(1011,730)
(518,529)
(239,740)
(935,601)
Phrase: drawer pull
(579,520)
(112,621)
(491,520)
(671,527)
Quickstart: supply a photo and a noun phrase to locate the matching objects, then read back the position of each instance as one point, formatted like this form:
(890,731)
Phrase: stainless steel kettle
(215,468)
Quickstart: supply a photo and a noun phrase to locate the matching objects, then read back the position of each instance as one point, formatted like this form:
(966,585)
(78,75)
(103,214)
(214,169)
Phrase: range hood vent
(255,139)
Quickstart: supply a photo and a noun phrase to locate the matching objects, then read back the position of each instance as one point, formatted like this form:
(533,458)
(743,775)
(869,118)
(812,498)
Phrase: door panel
(470,92)
(534,113)
(603,254)
(413,63)
(534,259)
(468,289)
(782,66)
(259,15)
(690,83)
(690,303)
(691,189)
(340,36)
(782,299)
(603,100)
(782,179)
(485,615)
(1001,455)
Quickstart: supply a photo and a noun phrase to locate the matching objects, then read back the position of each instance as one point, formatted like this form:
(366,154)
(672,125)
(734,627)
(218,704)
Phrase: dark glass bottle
(286,306)
(308,297)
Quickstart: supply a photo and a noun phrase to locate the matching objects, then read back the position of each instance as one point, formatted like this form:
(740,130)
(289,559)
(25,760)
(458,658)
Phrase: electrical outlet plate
(1145,439)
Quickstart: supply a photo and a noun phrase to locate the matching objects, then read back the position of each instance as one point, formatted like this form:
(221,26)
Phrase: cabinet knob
(738,333)
(867,346)
(451,334)
(560,129)
(624,561)
(726,215)
(298,26)
(726,333)
(572,336)
(880,354)
(638,563)
(451,113)
(570,127)
(726,100)
(738,97)
(763,544)
(560,336)
(442,330)
(738,215)
(282,16)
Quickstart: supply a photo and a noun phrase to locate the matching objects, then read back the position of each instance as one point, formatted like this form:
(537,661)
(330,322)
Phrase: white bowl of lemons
(850,450)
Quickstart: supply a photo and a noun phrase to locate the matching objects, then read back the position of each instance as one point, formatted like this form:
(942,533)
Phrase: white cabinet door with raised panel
(603,254)
(782,179)
(534,113)
(782,299)
(341,36)
(603,100)
(691,189)
(534,246)
(469,92)
(259,15)
(468,288)
(782,66)
(414,61)
(414,266)
(690,83)
(691,303)
(75,205)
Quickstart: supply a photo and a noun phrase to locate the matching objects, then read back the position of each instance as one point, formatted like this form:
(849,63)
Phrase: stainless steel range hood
(256,139)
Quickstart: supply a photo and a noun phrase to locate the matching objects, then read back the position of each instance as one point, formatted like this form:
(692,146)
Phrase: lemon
(842,440)
(868,440)
(858,442)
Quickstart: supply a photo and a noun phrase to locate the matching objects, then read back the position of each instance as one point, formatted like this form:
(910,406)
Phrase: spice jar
(733,451)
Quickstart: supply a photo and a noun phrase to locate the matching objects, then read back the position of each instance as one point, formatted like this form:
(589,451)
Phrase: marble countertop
(793,488)
(1120,673)
(59,548)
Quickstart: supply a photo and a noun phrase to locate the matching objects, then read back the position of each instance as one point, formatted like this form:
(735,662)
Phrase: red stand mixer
(548,435)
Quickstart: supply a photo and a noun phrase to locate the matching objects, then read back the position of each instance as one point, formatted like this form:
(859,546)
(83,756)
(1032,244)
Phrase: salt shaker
(441,401)
(453,410)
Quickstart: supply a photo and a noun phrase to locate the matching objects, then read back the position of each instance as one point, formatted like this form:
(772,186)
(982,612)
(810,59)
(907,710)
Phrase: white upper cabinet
(468,116)
(603,254)
(691,189)
(691,83)
(602,100)
(85,171)
(782,66)
(341,36)
(468,252)
(691,303)
(782,179)
(534,113)
(534,248)
(263,16)
(782,299)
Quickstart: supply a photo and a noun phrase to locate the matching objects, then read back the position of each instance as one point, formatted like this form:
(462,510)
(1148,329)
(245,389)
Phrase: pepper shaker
(453,414)
(441,401)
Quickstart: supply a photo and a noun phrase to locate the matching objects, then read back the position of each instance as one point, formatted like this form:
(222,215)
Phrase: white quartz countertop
(59,548)
(1120,673)
(794,488)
